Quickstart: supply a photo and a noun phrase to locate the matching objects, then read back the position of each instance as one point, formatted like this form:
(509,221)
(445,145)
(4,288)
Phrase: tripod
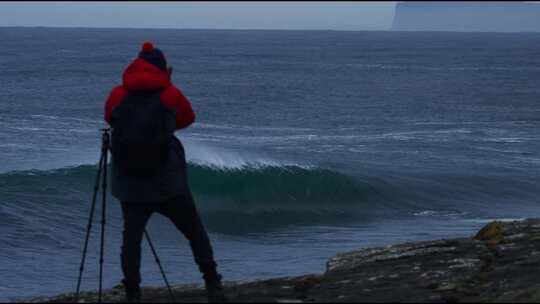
(102,168)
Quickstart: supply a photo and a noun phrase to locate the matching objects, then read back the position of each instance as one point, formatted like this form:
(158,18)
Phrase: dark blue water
(307,143)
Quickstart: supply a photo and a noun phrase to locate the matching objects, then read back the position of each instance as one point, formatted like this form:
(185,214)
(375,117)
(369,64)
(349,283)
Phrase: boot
(132,294)
(214,290)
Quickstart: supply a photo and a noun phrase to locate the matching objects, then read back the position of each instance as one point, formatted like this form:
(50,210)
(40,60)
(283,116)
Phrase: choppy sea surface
(306,144)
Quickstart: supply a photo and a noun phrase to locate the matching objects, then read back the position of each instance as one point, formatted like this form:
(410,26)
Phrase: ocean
(306,144)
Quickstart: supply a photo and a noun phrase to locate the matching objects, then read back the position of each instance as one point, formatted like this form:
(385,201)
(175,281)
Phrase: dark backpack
(143,129)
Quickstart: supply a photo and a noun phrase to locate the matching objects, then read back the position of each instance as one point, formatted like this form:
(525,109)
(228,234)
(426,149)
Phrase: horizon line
(193,28)
(257,29)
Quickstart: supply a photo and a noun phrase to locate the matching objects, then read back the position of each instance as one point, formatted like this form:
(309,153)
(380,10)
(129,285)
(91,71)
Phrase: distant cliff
(509,16)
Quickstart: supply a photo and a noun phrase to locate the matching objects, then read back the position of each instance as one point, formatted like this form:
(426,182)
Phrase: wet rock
(492,234)
(501,263)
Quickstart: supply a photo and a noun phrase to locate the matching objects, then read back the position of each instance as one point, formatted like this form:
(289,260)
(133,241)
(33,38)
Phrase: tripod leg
(103,209)
(89,228)
(171,295)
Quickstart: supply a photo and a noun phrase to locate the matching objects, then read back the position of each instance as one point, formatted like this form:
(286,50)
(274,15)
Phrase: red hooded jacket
(142,75)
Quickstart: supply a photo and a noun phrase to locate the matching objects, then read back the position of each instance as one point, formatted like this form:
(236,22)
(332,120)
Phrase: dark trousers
(182,212)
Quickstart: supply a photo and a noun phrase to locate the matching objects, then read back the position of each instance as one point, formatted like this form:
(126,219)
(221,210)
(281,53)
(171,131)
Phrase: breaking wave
(230,199)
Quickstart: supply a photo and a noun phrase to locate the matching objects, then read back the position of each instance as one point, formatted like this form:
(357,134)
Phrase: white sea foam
(382,66)
(505,139)
(514,151)
(93,130)
(51,117)
(489,220)
(216,157)
(44,116)
(533,160)
(11,145)
(243,127)
(82,130)
(27,129)
(440,213)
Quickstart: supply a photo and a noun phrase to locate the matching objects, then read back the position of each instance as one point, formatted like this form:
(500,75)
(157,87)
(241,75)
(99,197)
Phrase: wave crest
(230,199)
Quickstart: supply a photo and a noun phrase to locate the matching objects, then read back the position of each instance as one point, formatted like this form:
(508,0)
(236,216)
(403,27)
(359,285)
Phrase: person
(149,166)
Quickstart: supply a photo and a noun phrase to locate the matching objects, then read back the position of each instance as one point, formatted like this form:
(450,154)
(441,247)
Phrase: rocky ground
(500,264)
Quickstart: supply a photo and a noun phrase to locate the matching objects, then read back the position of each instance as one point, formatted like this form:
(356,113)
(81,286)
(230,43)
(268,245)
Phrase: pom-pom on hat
(147,46)
(153,55)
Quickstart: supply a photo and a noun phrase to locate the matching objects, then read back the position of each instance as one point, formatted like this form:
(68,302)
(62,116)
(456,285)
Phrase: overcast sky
(226,15)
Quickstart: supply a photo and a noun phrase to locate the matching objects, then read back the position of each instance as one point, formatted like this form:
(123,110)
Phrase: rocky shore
(501,263)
